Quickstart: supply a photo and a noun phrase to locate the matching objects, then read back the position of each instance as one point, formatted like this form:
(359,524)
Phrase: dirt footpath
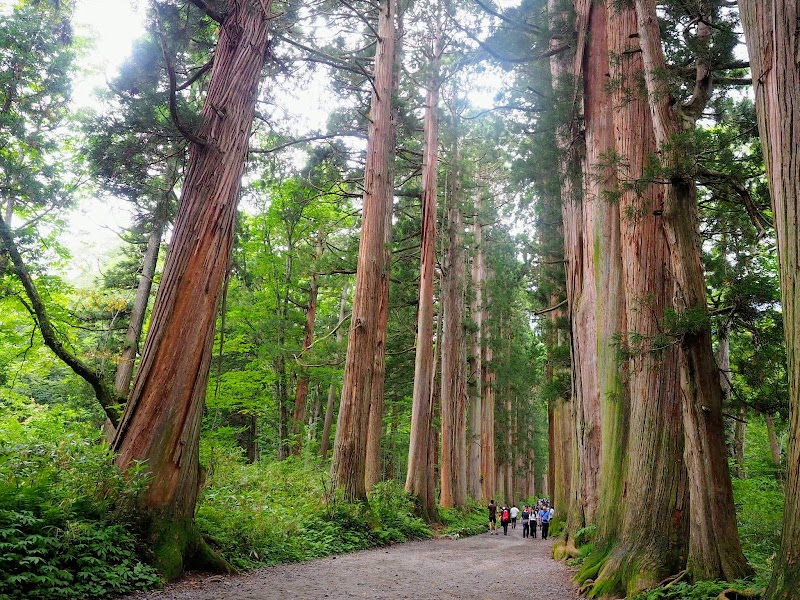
(483,567)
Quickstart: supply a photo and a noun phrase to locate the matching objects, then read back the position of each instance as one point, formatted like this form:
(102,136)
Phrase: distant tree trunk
(454,401)
(488,378)
(775,450)
(724,365)
(351,430)
(476,364)
(419,474)
(162,420)
(714,549)
(772,39)
(330,407)
(301,396)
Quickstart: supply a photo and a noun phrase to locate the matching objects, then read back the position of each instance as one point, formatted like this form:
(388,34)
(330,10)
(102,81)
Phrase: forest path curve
(482,567)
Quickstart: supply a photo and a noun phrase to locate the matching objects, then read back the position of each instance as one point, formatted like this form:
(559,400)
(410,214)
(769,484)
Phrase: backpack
(505,515)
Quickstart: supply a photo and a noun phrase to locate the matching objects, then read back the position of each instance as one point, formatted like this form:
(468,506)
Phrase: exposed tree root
(730,594)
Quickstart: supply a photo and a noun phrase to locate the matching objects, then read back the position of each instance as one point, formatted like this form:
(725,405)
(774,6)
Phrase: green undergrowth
(470,520)
(66,513)
(702,590)
(287,511)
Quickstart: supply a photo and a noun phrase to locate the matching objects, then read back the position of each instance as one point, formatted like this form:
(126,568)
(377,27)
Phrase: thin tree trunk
(330,407)
(714,548)
(301,396)
(488,378)
(162,420)
(774,448)
(418,476)
(772,39)
(351,430)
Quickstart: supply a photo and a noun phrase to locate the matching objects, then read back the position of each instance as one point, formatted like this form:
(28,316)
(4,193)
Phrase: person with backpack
(526,519)
(545,515)
(505,519)
(492,517)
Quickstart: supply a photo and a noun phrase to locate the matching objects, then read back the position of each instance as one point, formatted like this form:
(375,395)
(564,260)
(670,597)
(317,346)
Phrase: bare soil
(483,567)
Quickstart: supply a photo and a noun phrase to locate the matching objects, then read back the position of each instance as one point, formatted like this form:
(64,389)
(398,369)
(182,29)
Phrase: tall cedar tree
(162,420)
(772,36)
(349,455)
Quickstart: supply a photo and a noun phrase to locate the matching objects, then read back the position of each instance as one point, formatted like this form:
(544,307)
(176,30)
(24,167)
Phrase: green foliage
(469,520)
(287,511)
(759,507)
(702,590)
(585,535)
(66,512)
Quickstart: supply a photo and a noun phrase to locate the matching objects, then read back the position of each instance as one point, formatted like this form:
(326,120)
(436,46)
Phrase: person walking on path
(526,518)
(534,520)
(545,516)
(505,519)
(514,515)
(492,517)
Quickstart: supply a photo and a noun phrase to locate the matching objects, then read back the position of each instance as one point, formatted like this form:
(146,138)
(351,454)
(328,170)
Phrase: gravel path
(483,567)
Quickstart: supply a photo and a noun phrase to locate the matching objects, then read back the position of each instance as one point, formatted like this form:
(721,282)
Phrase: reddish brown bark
(419,475)
(476,364)
(454,392)
(161,424)
(772,39)
(489,377)
(351,432)
(714,549)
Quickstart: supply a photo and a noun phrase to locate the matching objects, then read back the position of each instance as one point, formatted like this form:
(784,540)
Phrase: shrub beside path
(482,567)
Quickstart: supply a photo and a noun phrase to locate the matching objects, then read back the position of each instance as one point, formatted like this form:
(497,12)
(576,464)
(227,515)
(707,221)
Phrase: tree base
(177,546)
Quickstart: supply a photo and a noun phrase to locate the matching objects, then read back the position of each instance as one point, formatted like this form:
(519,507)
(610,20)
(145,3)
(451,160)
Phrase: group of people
(534,517)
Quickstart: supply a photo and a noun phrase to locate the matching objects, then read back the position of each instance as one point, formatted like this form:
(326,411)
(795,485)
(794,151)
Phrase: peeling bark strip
(161,424)
(349,453)
(772,38)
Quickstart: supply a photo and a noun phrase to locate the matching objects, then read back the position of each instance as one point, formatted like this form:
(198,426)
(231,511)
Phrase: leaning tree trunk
(772,38)
(454,393)
(418,476)
(349,453)
(161,423)
(714,548)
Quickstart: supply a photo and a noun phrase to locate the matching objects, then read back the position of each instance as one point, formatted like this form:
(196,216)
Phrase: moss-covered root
(178,546)
(617,574)
(565,549)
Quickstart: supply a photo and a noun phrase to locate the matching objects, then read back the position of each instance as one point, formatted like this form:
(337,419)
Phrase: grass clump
(471,519)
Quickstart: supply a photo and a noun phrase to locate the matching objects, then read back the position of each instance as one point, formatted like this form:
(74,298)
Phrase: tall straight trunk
(772,38)
(162,419)
(454,401)
(487,383)
(418,477)
(476,365)
(373,470)
(648,541)
(580,311)
(281,394)
(301,394)
(330,406)
(349,455)
(714,548)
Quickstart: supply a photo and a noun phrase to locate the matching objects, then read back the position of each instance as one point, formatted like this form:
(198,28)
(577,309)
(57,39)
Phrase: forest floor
(482,567)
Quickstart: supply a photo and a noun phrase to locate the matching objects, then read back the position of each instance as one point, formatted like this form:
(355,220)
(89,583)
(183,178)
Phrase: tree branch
(102,389)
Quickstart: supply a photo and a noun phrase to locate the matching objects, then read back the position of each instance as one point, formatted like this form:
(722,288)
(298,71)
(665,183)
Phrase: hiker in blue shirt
(546,514)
